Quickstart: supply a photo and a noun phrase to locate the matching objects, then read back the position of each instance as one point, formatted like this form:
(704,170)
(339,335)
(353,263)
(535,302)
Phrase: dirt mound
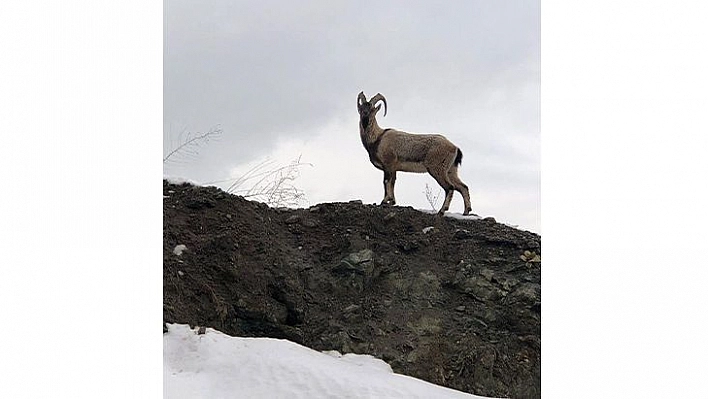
(458,304)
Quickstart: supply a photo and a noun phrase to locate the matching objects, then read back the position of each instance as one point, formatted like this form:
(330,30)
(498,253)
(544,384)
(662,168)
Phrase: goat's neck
(370,133)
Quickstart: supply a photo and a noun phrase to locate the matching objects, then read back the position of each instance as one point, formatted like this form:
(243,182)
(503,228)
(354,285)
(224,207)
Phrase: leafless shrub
(432,198)
(270,184)
(264,182)
(186,148)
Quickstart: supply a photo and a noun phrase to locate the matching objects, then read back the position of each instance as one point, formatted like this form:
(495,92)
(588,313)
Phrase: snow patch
(179,180)
(215,365)
(453,215)
(461,216)
(362,361)
(426,230)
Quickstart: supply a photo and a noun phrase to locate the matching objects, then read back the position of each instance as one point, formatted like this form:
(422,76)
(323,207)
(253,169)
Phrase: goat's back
(407,147)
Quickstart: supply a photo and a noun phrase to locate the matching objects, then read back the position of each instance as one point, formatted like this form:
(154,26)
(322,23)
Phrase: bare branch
(273,186)
(191,142)
(432,198)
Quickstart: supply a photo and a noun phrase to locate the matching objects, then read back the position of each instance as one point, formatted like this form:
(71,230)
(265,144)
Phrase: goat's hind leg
(448,198)
(446,185)
(462,188)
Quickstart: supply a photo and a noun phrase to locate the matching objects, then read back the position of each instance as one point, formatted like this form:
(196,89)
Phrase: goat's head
(368,109)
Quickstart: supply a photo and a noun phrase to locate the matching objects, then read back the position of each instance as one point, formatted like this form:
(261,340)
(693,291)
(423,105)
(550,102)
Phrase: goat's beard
(364,121)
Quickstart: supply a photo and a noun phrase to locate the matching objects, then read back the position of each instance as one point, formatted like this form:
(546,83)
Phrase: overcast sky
(281,80)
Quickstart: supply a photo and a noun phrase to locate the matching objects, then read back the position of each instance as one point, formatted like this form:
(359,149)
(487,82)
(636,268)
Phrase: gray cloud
(266,71)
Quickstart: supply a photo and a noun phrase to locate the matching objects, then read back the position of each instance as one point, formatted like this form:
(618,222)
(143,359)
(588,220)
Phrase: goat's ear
(360,99)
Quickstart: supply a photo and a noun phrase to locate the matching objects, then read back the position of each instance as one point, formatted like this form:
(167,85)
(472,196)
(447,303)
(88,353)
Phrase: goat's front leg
(389,182)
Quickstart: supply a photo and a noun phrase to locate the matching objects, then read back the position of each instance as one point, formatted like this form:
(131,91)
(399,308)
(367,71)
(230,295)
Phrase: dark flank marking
(375,144)
(373,148)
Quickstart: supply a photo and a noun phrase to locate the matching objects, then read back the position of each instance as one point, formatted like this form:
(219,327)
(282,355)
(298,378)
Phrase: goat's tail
(458,159)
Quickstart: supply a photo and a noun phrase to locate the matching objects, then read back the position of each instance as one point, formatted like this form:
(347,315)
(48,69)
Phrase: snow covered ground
(215,365)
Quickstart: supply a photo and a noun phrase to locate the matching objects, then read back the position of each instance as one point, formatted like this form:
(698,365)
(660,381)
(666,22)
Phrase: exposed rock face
(458,305)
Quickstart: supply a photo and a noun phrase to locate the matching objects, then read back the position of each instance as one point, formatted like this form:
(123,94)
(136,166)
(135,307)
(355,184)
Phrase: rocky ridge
(451,301)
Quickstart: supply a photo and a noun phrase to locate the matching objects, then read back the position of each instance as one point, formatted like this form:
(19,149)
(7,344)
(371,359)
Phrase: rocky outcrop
(455,302)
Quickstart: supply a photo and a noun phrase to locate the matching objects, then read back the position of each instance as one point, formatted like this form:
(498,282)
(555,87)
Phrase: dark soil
(459,306)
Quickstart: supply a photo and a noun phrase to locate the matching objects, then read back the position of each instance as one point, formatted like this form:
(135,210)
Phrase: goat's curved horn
(378,97)
(361,98)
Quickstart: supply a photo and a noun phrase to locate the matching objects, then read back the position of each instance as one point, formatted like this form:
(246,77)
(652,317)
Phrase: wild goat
(393,150)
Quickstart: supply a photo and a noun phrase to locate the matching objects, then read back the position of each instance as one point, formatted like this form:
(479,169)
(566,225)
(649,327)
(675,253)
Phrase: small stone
(529,256)
(533,244)
(358,263)
(389,216)
(363,256)
(179,249)
(426,230)
(356,202)
(529,293)
(462,234)
(489,220)
(408,246)
(460,308)
(228,216)
(180,273)
(292,219)
(309,223)
(351,308)
(480,323)
(200,203)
